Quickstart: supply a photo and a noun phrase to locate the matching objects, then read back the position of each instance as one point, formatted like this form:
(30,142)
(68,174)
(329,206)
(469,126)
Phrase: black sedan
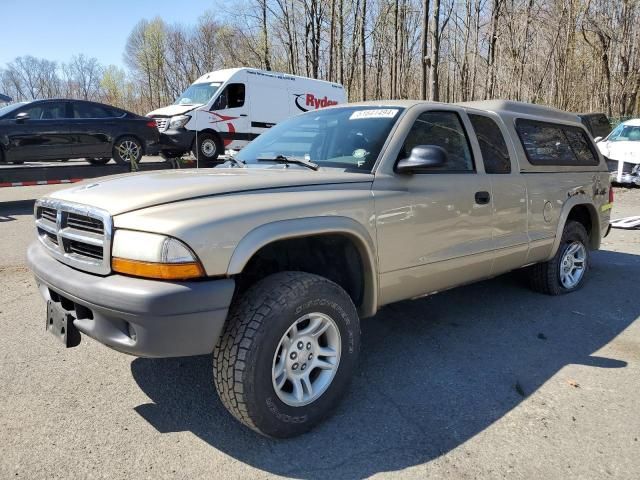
(63,129)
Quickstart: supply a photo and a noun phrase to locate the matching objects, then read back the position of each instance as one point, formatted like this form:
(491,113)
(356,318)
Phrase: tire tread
(242,329)
(543,277)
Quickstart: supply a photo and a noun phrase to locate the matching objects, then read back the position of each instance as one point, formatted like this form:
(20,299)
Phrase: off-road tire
(202,147)
(545,277)
(243,357)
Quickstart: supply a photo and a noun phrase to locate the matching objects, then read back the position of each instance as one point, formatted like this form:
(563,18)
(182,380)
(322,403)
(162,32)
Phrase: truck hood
(172,110)
(124,193)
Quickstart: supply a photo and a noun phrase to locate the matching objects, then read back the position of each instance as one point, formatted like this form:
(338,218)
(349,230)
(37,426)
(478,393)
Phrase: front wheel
(567,270)
(127,150)
(207,147)
(287,354)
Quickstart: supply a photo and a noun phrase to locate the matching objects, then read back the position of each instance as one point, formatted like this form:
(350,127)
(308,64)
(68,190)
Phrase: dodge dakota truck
(269,261)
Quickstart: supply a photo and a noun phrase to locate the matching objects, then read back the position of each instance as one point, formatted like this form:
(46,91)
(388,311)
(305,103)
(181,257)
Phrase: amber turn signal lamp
(160,271)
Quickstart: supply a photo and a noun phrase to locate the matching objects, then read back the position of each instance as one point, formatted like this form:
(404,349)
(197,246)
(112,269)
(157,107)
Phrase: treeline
(577,55)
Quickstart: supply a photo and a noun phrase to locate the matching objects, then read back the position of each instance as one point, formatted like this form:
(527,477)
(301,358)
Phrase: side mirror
(422,159)
(597,139)
(22,117)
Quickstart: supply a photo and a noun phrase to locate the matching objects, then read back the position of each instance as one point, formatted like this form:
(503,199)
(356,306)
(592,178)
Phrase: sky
(58,29)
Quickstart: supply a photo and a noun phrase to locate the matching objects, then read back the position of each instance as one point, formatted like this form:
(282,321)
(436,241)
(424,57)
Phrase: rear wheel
(567,270)
(98,161)
(207,147)
(127,150)
(287,354)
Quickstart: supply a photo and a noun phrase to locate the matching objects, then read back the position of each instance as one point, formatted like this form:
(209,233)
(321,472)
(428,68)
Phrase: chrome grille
(162,123)
(85,249)
(49,214)
(84,223)
(75,234)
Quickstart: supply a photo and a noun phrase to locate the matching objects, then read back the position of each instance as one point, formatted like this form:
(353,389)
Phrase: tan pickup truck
(269,261)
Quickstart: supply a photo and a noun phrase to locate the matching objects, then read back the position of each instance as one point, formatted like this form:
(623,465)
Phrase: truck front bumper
(146,318)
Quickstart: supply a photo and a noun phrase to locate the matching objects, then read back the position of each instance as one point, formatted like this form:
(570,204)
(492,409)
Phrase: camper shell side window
(554,144)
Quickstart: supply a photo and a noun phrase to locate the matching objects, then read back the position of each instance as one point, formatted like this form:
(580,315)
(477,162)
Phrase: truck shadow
(433,373)
(8,210)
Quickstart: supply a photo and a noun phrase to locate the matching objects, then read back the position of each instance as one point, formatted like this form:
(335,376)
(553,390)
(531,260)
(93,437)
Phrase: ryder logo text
(311,102)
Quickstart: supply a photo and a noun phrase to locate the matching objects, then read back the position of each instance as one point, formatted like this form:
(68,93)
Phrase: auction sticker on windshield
(377,113)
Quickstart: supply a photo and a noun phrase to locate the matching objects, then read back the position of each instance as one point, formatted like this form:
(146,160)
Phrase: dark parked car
(64,129)
(597,124)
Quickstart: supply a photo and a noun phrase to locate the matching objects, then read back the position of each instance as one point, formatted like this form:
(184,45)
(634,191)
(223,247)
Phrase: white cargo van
(225,109)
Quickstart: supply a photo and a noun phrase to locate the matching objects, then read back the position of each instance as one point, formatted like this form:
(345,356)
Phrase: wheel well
(583,215)
(212,132)
(333,256)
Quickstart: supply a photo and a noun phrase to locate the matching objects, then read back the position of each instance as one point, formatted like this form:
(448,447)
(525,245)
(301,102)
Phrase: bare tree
(424,63)
(434,87)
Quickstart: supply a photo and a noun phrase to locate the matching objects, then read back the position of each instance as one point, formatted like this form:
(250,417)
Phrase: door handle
(243,114)
(482,198)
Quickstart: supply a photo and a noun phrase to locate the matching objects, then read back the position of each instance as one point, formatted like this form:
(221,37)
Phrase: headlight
(151,255)
(179,121)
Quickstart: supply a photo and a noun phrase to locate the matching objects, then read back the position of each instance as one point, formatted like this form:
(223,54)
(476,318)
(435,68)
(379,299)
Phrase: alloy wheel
(573,264)
(129,151)
(306,359)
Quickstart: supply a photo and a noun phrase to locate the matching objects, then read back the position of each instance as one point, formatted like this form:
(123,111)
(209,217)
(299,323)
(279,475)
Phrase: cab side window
(231,97)
(495,154)
(443,129)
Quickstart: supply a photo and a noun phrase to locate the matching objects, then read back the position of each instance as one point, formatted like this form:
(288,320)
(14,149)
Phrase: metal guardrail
(70,172)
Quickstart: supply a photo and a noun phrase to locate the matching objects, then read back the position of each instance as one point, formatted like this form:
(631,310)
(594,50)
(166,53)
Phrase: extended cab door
(508,191)
(434,228)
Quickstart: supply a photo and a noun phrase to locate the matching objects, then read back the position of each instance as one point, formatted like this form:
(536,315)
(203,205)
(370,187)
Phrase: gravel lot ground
(485,381)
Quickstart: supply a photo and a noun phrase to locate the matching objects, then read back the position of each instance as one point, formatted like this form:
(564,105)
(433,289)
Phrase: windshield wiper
(293,160)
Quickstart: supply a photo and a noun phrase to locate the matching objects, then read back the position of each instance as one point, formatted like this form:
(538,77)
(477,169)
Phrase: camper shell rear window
(548,143)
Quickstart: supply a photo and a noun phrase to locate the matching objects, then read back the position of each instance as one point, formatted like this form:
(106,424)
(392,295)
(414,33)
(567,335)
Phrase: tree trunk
(332,30)
(424,59)
(434,94)
(265,38)
(341,41)
(394,56)
(495,17)
(363,45)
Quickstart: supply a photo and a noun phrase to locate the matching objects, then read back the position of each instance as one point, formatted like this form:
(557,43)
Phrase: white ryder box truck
(226,109)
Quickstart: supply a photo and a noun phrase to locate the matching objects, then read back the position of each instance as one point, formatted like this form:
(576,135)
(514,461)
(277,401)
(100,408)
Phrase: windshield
(10,108)
(344,137)
(625,133)
(198,94)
